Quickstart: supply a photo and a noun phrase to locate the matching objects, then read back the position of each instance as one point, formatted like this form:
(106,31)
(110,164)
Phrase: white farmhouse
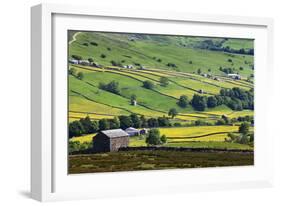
(84,62)
(234,76)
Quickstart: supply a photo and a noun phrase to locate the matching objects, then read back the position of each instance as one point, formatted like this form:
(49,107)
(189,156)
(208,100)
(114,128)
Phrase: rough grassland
(155,160)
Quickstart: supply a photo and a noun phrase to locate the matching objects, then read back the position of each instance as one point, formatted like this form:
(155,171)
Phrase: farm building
(95,64)
(134,102)
(110,140)
(84,62)
(143,131)
(128,66)
(234,76)
(73,61)
(132,131)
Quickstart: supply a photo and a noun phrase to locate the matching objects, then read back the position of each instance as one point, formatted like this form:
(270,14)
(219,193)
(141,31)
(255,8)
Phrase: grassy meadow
(191,66)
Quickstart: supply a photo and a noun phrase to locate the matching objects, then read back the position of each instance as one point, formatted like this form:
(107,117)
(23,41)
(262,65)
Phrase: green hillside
(154,51)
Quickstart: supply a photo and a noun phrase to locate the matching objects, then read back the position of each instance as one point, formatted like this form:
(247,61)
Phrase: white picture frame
(49,179)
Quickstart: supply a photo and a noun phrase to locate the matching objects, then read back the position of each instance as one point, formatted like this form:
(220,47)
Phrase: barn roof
(131,129)
(115,133)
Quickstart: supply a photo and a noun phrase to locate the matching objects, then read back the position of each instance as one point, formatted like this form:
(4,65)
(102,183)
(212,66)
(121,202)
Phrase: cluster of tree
(87,126)
(241,139)
(91,60)
(155,138)
(85,44)
(82,126)
(112,87)
(238,51)
(202,123)
(183,101)
(227,70)
(244,136)
(235,98)
(75,146)
(148,84)
(230,121)
(94,43)
(116,64)
(218,46)
(137,64)
(72,71)
(141,122)
(105,124)
(245,119)
(172,65)
(157,59)
(173,112)
(209,44)
(198,102)
(77,57)
(103,56)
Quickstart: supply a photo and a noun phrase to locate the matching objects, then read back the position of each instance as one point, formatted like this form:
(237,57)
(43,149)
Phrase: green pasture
(119,48)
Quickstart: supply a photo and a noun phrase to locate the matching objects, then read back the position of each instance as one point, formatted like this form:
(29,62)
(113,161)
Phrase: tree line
(235,98)
(218,46)
(88,126)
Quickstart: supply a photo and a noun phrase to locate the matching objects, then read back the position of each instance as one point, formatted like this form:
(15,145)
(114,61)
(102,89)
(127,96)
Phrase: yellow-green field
(179,134)
(188,132)
(209,138)
(78,116)
(84,138)
(240,113)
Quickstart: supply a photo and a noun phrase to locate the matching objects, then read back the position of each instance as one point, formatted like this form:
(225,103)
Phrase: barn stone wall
(118,142)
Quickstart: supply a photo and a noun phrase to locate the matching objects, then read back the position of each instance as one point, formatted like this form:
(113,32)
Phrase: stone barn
(110,140)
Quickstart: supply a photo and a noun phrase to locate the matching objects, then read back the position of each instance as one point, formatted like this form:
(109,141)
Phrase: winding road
(74,37)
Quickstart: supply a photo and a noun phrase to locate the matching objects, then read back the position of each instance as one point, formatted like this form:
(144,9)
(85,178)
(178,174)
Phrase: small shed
(132,131)
(110,140)
(84,62)
(143,131)
(134,102)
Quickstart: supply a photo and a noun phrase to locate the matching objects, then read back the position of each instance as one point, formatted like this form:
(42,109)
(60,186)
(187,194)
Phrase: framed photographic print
(137,102)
